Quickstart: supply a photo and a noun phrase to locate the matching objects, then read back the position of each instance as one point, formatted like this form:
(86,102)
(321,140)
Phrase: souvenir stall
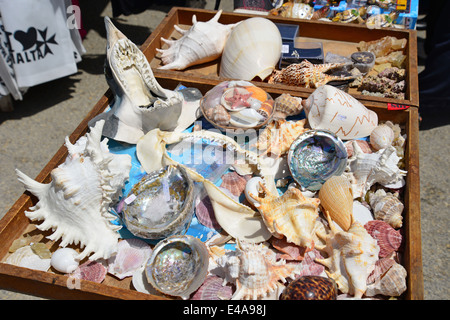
(236,157)
(37,48)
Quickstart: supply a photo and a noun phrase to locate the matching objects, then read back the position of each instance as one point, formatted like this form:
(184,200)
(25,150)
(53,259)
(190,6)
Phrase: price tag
(130,199)
(285,48)
(402,4)
(395,106)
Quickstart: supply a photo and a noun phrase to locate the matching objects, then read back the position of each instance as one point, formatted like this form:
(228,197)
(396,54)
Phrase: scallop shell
(292,215)
(387,207)
(310,288)
(363,144)
(178,265)
(337,199)
(287,105)
(309,266)
(219,115)
(213,289)
(131,255)
(234,182)
(25,257)
(75,203)
(314,157)
(254,271)
(391,284)
(351,257)
(381,267)
(160,204)
(205,213)
(202,42)
(93,271)
(388,239)
(65,260)
(252,50)
(381,137)
(329,108)
(140,103)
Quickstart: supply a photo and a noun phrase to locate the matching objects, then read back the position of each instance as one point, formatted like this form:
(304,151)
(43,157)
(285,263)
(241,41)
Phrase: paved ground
(34,131)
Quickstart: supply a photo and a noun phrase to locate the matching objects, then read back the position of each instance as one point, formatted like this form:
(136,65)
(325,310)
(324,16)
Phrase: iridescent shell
(213,289)
(219,115)
(315,156)
(234,182)
(337,199)
(292,215)
(391,284)
(363,144)
(381,137)
(287,105)
(255,272)
(310,288)
(178,265)
(160,204)
(388,239)
(387,207)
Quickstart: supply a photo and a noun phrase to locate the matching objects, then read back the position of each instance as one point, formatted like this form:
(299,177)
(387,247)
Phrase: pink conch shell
(234,182)
(91,271)
(306,74)
(351,257)
(255,272)
(336,197)
(213,289)
(391,284)
(131,255)
(279,134)
(292,215)
(388,239)
(363,144)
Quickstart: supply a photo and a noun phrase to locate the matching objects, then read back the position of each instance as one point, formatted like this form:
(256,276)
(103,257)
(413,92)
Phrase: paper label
(130,199)
(395,106)
(285,48)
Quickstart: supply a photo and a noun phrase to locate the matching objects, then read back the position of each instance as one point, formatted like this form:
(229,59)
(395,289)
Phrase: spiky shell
(351,257)
(287,105)
(292,215)
(388,239)
(278,135)
(255,272)
(75,203)
(202,42)
(337,199)
(387,207)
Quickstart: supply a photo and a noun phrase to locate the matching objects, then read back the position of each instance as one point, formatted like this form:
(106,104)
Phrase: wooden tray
(338,38)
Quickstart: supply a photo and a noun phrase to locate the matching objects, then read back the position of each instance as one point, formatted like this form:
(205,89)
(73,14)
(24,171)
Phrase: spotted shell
(310,288)
(287,105)
(218,115)
(381,137)
(388,239)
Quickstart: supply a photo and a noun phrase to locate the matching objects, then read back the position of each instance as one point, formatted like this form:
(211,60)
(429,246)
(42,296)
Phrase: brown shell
(219,115)
(388,239)
(310,288)
(287,105)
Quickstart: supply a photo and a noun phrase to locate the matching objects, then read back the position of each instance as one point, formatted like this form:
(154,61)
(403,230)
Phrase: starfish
(238,99)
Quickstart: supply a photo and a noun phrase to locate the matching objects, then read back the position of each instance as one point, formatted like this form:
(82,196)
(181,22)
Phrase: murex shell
(161,204)
(140,103)
(75,203)
(332,109)
(387,207)
(178,265)
(252,50)
(202,42)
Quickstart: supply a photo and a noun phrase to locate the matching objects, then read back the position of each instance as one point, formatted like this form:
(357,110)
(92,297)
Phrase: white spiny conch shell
(253,187)
(252,50)
(332,109)
(291,215)
(65,260)
(255,271)
(140,103)
(366,169)
(25,257)
(381,137)
(391,284)
(202,42)
(336,198)
(387,207)
(237,219)
(75,203)
(351,257)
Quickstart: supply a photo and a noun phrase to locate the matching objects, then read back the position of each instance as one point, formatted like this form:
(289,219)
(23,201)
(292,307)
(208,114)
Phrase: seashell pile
(308,207)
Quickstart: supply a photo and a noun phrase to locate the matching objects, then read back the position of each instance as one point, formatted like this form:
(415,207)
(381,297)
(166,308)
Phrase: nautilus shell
(75,203)
(252,50)
(178,265)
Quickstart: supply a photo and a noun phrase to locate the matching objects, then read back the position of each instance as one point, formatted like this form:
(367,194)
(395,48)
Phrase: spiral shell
(287,105)
(387,207)
(391,284)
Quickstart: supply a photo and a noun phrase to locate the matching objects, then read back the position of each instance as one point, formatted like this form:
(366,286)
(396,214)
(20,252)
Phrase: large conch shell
(140,103)
(252,50)
(202,42)
(291,215)
(238,220)
(255,272)
(334,110)
(75,203)
(351,258)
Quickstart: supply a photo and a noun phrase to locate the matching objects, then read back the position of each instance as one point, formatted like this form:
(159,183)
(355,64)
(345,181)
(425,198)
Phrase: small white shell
(65,260)
(381,137)
(252,50)
(253,187)
(246,118)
